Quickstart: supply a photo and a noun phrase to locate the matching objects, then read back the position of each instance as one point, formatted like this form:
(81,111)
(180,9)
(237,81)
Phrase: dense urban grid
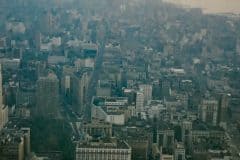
(118,80)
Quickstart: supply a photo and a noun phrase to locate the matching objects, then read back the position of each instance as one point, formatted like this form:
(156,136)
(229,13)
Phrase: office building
(1,89)
(165,88)
(223,110)
(3,108)
(103,88)
(179,152)
(103,150)
(186,133)
(131,95)
(15,144)
(147,91)
(156,90)
(139,102)
(139,139)
(110,109)
(80,81)
(165,140)
(66,85)
(3,116)
(47,96)
(25,94)
(97,129)
(208,111)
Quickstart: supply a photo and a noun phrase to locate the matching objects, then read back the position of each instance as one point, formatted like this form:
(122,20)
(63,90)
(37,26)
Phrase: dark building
(47,96)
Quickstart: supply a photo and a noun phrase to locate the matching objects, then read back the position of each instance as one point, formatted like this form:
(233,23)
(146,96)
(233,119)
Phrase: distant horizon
(211,6)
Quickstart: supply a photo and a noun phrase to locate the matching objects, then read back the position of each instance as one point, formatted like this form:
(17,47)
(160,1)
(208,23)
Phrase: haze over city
(211,6)
(119,80)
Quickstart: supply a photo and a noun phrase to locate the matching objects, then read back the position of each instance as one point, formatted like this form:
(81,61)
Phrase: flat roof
(104,143)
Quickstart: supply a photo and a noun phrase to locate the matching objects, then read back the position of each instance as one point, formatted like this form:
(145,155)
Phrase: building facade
(3,108)
(103,151)
(208,111)
(47,96)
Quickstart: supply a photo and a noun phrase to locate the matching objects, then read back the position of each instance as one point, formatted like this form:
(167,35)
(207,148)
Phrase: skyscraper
(223,110)
(47,96)
(1,98)
(3,108)
(139,102)
(80,82)
(186,133)
(147,91)
(3,116)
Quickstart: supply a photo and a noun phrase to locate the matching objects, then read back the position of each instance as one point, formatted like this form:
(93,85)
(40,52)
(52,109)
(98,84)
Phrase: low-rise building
(110,109)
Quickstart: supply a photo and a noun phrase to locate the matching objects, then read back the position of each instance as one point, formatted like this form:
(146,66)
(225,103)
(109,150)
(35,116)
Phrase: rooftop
(199,125)
(104,143)
(105,101)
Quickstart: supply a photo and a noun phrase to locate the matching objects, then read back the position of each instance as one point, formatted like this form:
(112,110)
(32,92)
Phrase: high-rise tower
(1,97)
(3,108)
(47,96)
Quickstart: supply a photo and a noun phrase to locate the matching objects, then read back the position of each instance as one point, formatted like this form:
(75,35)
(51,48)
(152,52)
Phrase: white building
(111,150)
(110,109)
(98,113)
(86,62)
(167,157)
(139,102)
(154,108)
(147,91)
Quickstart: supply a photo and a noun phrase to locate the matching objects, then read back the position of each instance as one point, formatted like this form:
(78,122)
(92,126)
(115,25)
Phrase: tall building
(25,93)
(3,108)
(47,96)
(80,81)
(165,140)
(165,88)
(47,22)
(186,133)
(3,116)
(103,89)
(140,147)
(66,84)
(156,90)
(139,102)
(147,91)
(223,110)
(208,111)
(131,95)
(1,90)
(3,43)
(103,150)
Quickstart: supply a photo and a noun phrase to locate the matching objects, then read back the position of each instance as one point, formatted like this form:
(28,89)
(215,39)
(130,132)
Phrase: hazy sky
(212,6)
